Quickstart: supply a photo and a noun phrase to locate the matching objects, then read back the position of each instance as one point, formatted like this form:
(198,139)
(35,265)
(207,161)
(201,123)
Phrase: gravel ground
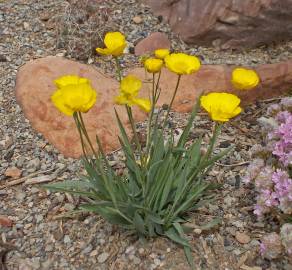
(45,232)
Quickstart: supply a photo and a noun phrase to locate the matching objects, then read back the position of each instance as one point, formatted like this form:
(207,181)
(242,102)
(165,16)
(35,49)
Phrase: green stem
(156,88)
(119,69)
(80,119)
(132,122)
(151,113)
(171,102)
(83,145)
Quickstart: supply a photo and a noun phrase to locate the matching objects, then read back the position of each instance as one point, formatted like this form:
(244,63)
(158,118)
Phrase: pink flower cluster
(270,171)
(282,137)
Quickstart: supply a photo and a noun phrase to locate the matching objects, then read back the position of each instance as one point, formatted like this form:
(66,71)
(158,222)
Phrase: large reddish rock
(227,23)
(276,79)
(34,86)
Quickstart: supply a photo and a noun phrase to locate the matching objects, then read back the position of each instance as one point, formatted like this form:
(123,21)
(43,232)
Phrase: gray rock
(103,257)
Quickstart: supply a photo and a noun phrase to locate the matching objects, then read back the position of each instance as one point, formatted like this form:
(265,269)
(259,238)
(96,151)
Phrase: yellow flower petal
(181,63)
(103,51)
(153,65)
(69,79)
(244,79)
(143,104)
(123,100)
(130,85)
(58,101)
(221,106)
(115,43)
(161,53)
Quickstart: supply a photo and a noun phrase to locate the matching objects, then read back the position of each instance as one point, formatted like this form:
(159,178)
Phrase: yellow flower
(129,89)
(153,65)
(161,53)
(244,79)
(181,63)
(115,43)
(69,79)
(74,97)
(130,85)
(221,106)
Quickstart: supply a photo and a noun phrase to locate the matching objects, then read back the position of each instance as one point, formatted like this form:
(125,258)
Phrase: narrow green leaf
(139,223)
(183,138)
(214,222)
(174,236)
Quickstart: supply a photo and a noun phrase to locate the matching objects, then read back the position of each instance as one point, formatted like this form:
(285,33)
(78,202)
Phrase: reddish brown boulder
(276,79)
(34,87)
(227,23)
(154,41)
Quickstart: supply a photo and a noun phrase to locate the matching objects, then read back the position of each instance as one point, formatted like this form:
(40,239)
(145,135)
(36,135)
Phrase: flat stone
(242,238)
(154,41)
(12,172)
(103,257)
(34,86)
(5,221)
(137,19)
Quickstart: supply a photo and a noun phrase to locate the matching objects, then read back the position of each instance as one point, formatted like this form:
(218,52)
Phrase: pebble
(103,257)
(13,172)
(129,249)
(39,218)
(33,165)
(137,20)
(87,249)
(67,239)
(242,238)
(197,231)
(5,221)
(136,260)
(93,253)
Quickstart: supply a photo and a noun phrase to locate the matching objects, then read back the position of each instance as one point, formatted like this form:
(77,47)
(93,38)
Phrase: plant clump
(165,180)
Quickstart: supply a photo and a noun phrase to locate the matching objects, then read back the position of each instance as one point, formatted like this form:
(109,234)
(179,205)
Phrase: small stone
(20,162)
(157,262)
(141,251)
(49,248)
(67,239)
(26,25)
(13,172)
(129,249)
(5,221)
(39,218)
(168,250)
(93,253)
(197,231)
(87,249)
(242,238)
(136,260)
(7,142)
(33,165)
(101,241)
(137,20)
(103,257)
